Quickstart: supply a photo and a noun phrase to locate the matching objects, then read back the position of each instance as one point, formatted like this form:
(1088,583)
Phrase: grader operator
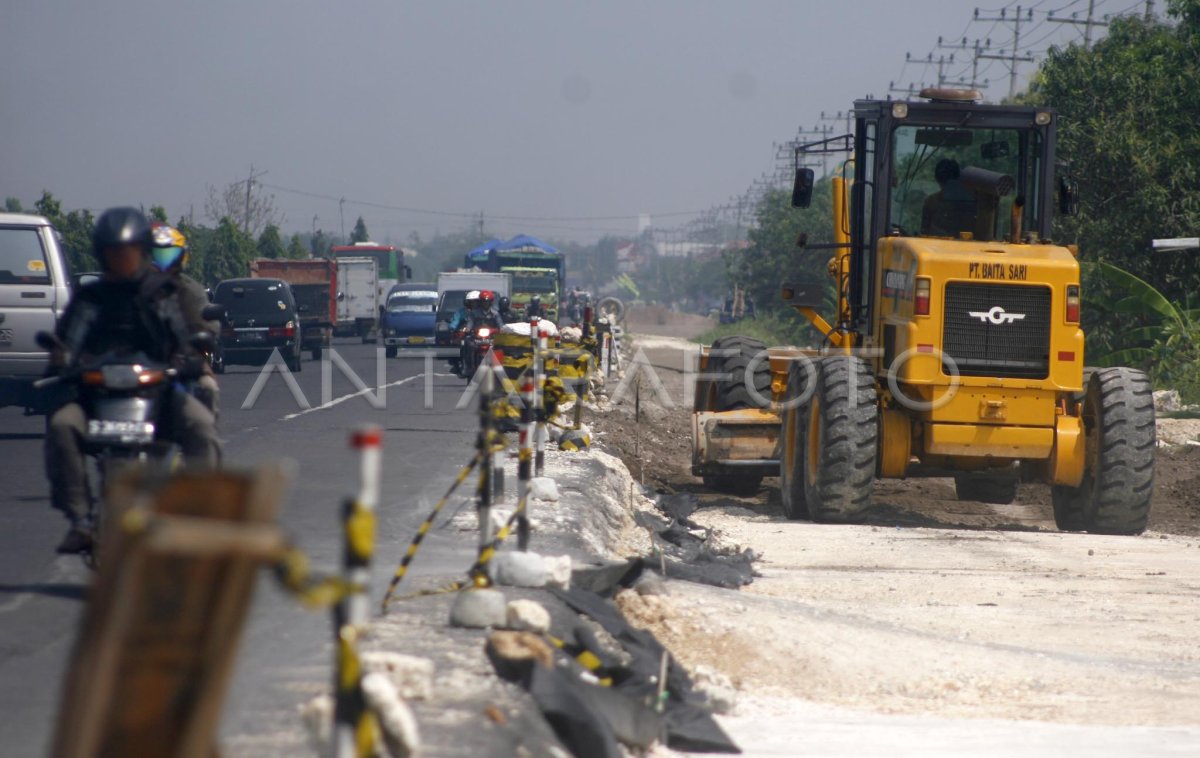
(956,348)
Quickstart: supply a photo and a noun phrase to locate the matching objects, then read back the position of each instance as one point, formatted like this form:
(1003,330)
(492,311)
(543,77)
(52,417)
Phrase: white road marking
(361,392)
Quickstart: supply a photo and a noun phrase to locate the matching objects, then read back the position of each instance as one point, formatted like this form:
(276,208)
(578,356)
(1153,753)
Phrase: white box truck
(357,298)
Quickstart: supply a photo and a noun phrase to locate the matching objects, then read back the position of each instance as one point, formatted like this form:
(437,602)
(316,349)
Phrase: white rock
(396,719)
(516,569)
(479,608)
(317,715)
(559,568)
(543,488)
(528,616)
(716,687)
(411,675)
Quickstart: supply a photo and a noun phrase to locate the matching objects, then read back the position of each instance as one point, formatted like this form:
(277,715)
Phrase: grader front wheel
(841,439)
(1119,436)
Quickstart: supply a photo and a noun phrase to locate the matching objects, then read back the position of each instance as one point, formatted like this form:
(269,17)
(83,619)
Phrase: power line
(462,214)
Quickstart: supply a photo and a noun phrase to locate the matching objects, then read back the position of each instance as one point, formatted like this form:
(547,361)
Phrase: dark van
(261,316)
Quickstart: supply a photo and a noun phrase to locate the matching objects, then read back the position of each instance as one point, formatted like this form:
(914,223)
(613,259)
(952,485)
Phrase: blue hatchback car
(408,315)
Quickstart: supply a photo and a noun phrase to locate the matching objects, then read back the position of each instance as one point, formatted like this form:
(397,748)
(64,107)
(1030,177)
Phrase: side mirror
(341,296)
(803,188)
(213,312)
(1068,196)
(408,272)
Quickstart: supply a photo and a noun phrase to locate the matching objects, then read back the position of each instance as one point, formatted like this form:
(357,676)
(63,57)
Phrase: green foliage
(296,249)
(1158,335)
(772,330)
(1128,110)
(320,244)
(158,213)
(774,259)
(49,206)
(13,205)
(270,243)
(221,253)
(360,233)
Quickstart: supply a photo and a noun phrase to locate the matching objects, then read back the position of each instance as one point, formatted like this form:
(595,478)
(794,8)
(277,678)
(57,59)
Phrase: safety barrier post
(539,409)
(525,456)
(483,493)
(354,725)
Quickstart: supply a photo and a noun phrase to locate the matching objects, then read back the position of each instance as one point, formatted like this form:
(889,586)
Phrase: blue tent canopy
(525,240)
(480,253)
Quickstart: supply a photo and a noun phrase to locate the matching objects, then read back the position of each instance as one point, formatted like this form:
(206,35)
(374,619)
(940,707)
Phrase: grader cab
(956,348)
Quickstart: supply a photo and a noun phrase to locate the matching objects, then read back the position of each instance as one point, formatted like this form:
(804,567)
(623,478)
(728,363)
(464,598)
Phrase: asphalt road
(285,655)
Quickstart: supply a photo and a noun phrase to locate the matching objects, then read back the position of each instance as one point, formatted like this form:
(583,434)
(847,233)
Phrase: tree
(221,253)
(360,232)
(1127,108)
(270,243)
(13,205)
(320,244)
(158,213)
(251,212)
(295,249)
(50,207)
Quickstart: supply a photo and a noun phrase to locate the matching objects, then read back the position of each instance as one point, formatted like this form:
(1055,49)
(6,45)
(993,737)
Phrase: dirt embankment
(933,606)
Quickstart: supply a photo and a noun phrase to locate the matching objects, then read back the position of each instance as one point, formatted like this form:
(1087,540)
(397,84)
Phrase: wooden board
(164,617)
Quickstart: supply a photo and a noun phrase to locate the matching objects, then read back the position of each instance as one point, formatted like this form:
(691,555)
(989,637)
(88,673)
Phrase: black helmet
(121,226)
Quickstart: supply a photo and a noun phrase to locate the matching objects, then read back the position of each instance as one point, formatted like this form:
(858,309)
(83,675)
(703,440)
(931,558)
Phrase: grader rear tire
(841,440)
(1119,437)
(747,384)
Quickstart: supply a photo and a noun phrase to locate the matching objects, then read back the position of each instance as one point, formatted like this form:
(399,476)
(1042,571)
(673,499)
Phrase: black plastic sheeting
(687,724)
(688,555)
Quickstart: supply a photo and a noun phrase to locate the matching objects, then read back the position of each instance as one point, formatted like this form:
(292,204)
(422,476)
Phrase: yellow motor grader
(956,347)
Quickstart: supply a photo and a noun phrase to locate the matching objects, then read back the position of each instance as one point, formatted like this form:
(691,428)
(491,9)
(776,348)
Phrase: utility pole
(1087,24)
(912,90)
(974,82)
(1015,57)
(1149,16)
(249,184)
(342,214)
(848,116)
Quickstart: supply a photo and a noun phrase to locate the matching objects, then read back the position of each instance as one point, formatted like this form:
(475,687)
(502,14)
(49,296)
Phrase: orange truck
(314,285)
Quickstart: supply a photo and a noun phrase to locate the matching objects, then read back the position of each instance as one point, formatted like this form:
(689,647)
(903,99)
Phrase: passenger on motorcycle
(128,310)
(170,256)
(470,303)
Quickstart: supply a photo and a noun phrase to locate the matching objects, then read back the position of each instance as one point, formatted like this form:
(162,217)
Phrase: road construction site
(934,618)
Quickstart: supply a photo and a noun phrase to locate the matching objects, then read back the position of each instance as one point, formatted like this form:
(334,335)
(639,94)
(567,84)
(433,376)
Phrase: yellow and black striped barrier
(426,525)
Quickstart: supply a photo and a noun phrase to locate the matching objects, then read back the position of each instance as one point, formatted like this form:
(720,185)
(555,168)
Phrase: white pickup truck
(34,289)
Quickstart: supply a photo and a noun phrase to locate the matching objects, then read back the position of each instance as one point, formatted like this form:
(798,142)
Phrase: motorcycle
(123,397)
(476,344)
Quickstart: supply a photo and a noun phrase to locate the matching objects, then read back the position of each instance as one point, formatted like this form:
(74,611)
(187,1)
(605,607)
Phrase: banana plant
(1168,347)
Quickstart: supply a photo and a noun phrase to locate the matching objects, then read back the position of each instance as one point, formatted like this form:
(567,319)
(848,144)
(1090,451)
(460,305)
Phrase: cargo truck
(314,286)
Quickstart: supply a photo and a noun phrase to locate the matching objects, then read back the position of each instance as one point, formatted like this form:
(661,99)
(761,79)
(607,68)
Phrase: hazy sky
(567,110)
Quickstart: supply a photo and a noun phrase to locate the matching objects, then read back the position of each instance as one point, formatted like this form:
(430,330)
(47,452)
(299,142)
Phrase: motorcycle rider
(534,308)
(128,310)
(170,256)
(483,313)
